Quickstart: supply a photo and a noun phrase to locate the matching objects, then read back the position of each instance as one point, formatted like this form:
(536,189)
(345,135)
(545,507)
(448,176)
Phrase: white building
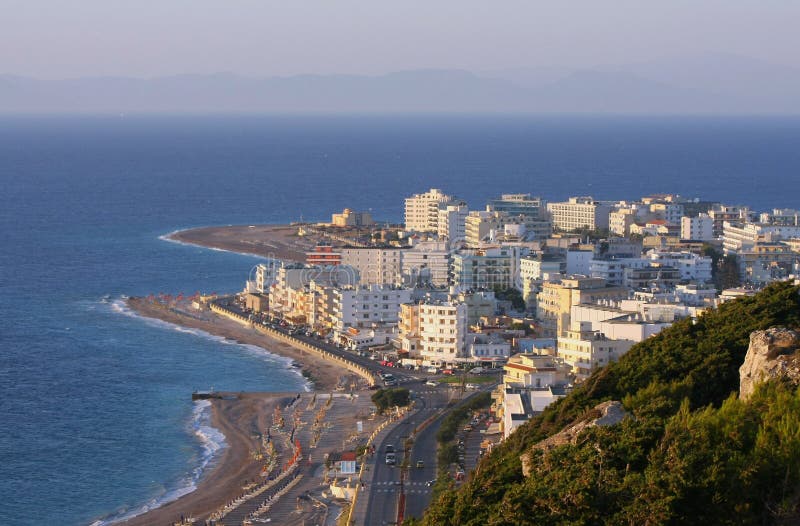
(700,228)
(518,204)
(442,333)
(425,264)
(422,210)
(579,262)
(692,266)
(487,348)
(376,266)
(452,222)
(490,267)
(738,237)
(579,213)
(366,306)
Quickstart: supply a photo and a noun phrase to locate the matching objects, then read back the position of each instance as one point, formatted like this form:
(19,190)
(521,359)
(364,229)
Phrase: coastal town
(482,317)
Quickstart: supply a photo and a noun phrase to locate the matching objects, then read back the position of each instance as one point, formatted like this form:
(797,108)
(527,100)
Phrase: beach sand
(236,419)
(269,241)
(324,374)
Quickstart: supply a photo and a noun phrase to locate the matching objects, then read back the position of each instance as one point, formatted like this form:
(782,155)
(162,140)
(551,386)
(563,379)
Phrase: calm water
(94,410)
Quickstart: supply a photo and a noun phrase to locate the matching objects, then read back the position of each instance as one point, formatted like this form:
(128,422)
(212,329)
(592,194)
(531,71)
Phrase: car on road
(430,482)
(389,448)
(391,459)
(432,383)
(420,464)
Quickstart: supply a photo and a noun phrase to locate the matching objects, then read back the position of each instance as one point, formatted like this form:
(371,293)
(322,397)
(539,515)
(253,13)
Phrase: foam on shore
(168,237)
(212,443)
(120,306)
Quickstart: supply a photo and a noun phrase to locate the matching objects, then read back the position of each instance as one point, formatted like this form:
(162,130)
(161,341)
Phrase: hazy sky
(69,38)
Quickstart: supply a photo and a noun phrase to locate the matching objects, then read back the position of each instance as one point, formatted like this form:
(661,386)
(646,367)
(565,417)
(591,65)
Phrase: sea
(96,417)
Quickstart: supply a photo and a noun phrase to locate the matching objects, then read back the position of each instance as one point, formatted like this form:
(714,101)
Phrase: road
(402,375)
(386,488)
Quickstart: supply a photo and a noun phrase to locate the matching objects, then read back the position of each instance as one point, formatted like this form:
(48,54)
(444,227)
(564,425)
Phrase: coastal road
(386,485)
(403,375)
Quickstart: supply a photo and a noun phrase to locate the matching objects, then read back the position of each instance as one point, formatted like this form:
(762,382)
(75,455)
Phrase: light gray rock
(610,413)
(773,353)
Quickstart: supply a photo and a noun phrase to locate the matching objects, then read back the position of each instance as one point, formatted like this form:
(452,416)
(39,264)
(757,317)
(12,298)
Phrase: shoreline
(224,480)
(322,374)
(279,242)
(235,419)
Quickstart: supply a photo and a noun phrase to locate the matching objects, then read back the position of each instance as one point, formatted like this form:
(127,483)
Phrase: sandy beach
(324,374)
(238,419)
(235,419)
(269,241)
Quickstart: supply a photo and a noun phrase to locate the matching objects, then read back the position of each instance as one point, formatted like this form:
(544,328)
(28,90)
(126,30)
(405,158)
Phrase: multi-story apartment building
(692,267)
(486,268)
(612,270)
(408,337)
(376,266)
(442,332)
(579,213)
(554,302)
(291,295)
(518,204)
(531,382)
(587,351)
(323,255)
(480,303)
(621,220)
(652,276)
(426,264)
(422,210)
(533,270)
(700,228)
(719,214)
(738,237)
(452,221)
(781,216)
(764,262)
(479,224)
(364,307)
(669,212)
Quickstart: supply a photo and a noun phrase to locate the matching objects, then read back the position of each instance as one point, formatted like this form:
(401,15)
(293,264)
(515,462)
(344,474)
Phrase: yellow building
(554,302)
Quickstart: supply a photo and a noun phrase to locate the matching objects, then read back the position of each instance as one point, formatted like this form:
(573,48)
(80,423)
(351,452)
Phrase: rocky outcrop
(774,353)
(605,414)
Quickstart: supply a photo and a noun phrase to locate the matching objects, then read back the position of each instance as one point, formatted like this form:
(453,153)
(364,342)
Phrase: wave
(211,442)
(168,238)
(121,307)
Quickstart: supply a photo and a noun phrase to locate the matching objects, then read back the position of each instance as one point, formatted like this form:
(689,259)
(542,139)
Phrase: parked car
(448,371)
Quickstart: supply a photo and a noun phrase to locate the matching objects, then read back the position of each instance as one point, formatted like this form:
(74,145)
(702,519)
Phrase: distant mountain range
(717,84)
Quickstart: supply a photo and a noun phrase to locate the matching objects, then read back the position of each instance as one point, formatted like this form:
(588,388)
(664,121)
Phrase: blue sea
(95,412)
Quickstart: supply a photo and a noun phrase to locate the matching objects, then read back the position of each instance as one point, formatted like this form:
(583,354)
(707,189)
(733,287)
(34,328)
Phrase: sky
(145,38)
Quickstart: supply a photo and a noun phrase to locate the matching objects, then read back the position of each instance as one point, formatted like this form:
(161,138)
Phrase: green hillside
(693,453)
